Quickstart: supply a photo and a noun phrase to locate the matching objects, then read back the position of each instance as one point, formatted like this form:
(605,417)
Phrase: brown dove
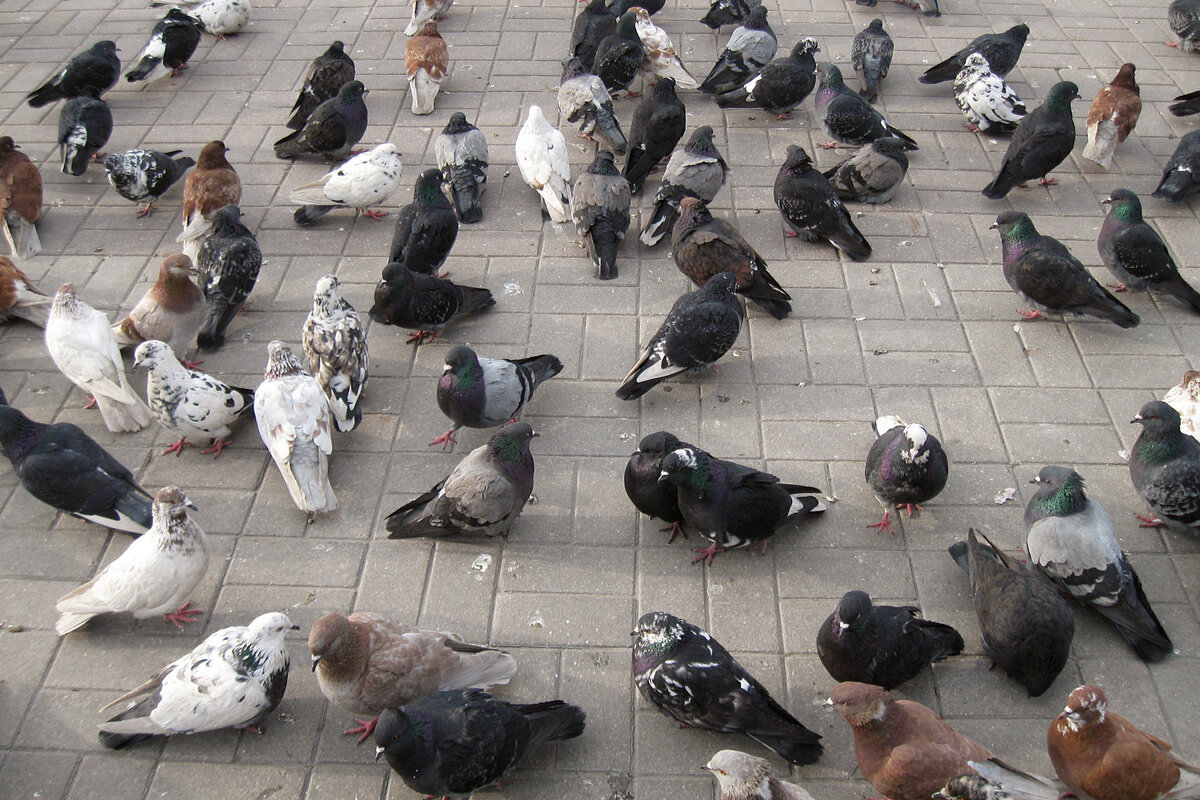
(19,297)
(171,311)
(367,662)
(1114,113)
(20,200)
(426,60)
(746,777)
(212,184)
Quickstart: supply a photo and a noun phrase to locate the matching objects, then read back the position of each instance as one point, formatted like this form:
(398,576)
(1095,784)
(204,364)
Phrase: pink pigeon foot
(911,508)
(365,726)
(1047,182)
(175,72)
(787,234)
(423,337)
(1150,521)
(973,128)
(91,403)
(706,554)
(216,447)
(446,440)
(676,530)
(190,364)
(1031,314)
(1117,287)
(761,547)
(183,615)
(146,210)
(369,214)
(177,448)
(1168,44)
(828,145)
(884,524)
(784,115)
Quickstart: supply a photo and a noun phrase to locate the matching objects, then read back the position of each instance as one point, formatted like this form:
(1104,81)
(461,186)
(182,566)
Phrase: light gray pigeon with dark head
(695,170)
(872,174)
(1164,464)
(750,48)
(584,100)
(462,155)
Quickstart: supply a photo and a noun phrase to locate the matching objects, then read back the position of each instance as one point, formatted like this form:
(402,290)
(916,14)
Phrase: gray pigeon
(484,494)
(1181,176)
(749,49)
(600,208)
(584,101)
(1043,140)
(812,209)
(847,117)
(871,55)
(328,72)
(1000,49)
(988,103)
(1136,254)
(695,170)
(1071,540)
(872,174)
(462,155)
(335,344)
(332,129)
(1184,19)
(1164,464)
(84,125)
(781,86)
(742,776)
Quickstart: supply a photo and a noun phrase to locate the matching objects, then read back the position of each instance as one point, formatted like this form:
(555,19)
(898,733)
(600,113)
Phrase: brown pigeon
(1114,113)
(20,200)
(19,297)
(426,60)
(171,311)
(212,184)
(746,777)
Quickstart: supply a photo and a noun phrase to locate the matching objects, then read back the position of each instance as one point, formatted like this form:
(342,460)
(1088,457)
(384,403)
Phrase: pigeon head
(332,642)
(326,296)
(354,90)
(605,163)
(1019,33)
(757,21)
(537,120)
(737,770)
(891,147)
(860,703)
(682,466)
(971,787)
(1125,79)
(693,212)
(1086,705)
(269,630)
(171,500)
(179,15)
(829,78)
(457,124)
(627,26)
(643,16)
(281,361)
(658,633)
(175,272)
(1191,383)
(1156,417)
(876,25)
(659,442)
(405,737)
(151,353)
(67,302)
(463,364)
(227,217)
(428,188)
(338,46)
(598,7)
(572,67)
(853,609)
(1015,227)
(1059,492)
(1124,205)
(7,145)
(511,443)
(397,276)
(797,161)
(429,29)
(701,143)
(664,91)
(1060,97)
(723,283)
(915,437)
(977,63)
(806,46)
(106,47)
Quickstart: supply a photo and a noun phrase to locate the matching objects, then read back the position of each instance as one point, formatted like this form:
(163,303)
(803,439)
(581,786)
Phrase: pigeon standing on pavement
(583,100)
(695,170)
(1043,139)
(171,311)
(812,209)
(742,776)
(145,175)
(84,125)
(1112,117)
(228,262)
(1184,18)
(221,18)
(781,86)
(423,303)
(425,10)
(20,200)
(655,498)
(1164,464)
(871,56)
(19,297)
(328,73)
(88,74)
(332,129)
(545,164)
(1136,255)
(592,25)
(658,124)
(750,48)
(1001,50)
(906,466)
(365,180)
(1181,176)
(462,155)
(426,228)
(846,116)
(600,209)
(172,42)
(659,56)
(871,175)
(988,103)
(213,184)
(619,55)
(335,344)
(426,62)
(728,12)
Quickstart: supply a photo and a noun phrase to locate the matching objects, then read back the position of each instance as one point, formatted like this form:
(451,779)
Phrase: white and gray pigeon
(84,349)
(871,56)
(233,679)
(988,103)
(600,208)
(366,180)
(742,776)
(694,170)
(462,155)
(1070,539)
(1164,464)
(172,42)
(295,424)
(584,100)
(659,56)
(156,574)
(545,164)
(222,18)
(189,402)
(750,48)
(145,175)
(335,342)
(872,174)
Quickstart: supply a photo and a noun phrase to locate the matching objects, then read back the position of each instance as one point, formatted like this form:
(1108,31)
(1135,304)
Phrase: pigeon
(988,103)
(781,86)
(228,262)
(1185,399)
(600,209)
(1113,115)
(233,679)
(366,180)
(688,676)
(462,156)
(367,662)
(213,184)
(871,56)
(1043,139)
(1186,104)
(1001,50)
(335,344)
(484,494)
(294,423)
(659,56)
(478,392)
(750,48)
(19,297)
(145,175)
(1135,253)
(222,18)
(619,55)
(728,12)
(67,470)
(88,74)
(742,776)
(812,209)
(651,7)
(655,498)
(1184,18)
(847,117)
(332,129)
(84,125)
(423,303)
(700,328)
(883,645)
(172,42)
(426,228)
(976,787)
(154,575)
(906,466)
(426,61)
(188,402)
(695,170)
(20,200)
(1042,270)
(171,311)
(731,505)
(1027,628)
(871,175)
(583,100)
(328,72)
(659,122)
(592,25)
(425,10)
(545,164)
(1070,539)
(454,743)
(84,349)
(1164,464)
(1181,176)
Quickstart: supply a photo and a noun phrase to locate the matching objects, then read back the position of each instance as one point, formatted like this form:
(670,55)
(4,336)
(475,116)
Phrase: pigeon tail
(26,243)
(306,215)
(72,621)
(44,96)
(466,189)
(909,142)
(1101,143)
(557,202)
(542,368)
(1174,187)
(661,224)
(217,316)
(943,640)
(603,242)
(401,525)
(940,73)
(291,145)
(551,721)
(144,69)
(125,412)
(1138,624)
(637,167)
(479,670)
(779,309)
(1178,288)
(1001,185)
(851,242)
(800,746)
(609,129)
(475,299)
(1113,310)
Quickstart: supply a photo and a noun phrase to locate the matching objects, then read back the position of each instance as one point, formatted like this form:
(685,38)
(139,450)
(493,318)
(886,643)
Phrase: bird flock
(423,695)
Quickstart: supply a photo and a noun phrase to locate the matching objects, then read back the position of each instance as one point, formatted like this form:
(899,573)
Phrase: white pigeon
(425,10)
(233,679)
(189,402)
(365,180)
(83,347)
(335,342)
(659,54)
(988,103)
(155,575)
(545,164)
(222,18)
(294,423)
(1185,398)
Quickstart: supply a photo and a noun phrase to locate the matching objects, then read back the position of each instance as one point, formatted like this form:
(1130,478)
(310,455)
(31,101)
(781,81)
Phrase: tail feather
(217,316)
(306,215)
(542,368)
(609,129)
(1180,289)
(303,109)
(557,201)
(480,670)
(660,224)
(801,747)
(143,69)
(1113,310)
(126,413)
(945,641)
(291,145)
(26,243)
(71,621)
(1137,623)
(45,95)
(851,242)
(475,299)
(551,721)
(465,189)
(779,309)
(910,143)
(939,73)
(1001,185)
(637,168)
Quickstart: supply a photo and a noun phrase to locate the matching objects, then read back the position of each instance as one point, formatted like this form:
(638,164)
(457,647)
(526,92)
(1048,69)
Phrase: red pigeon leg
(369,214)
(1031,314)
(216,446)
(1117,287)
(177,448)
(190,364)
(175,72)
(784,115)
(631,93)
(1168,44)
(146,210)
(423,337)
(365,726)
(884,524)
(182,616)
(446,440)
(972,127)
(91,403)
(911,508)
(1150,521)
(1047,182)
(790,234)
(582,135)
(99,156)
(706,554)
(761,547)
(676,530)
(828,145)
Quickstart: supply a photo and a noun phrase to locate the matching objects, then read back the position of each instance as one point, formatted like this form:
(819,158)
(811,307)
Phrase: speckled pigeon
(1000,49)
(781,86)
(423,303)
(366,180)
(335,346)
(655,498)
(695,170)
(229,261)
(988,103)
(1181,176)
(871,56)
(871,175)
(145,175)
(600,209)
(1184,18)
(584,101)
(750,48)
(906,466)
(462,156)
(328,72)
(812,209)
(1043,140)
(846,116)
(88,74)
(1135,253)
(619,55)
(1164,464)
(332,129)
(84,125)
(426,228)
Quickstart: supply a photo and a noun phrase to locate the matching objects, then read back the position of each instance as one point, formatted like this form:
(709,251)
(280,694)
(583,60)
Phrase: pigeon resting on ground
(462,156)
(1184,18)
(155,574)
(335,344)
(88,74)
(545,164)
(84,125)
(172,42)
(988,103)
(872,174)
(1135,253)
(229,261)
(365,180)
(593,24)
(906,466)
(655,498)
(658,124)
(332,129)
(781,86)
(846,116)
(1001,50)
(20,200)
(750,48)
(812,209)
(1043,140)
(871,55)
(145,175)
(171,311)
(1181,176)
(583,100)
(1164,464)
(695,170)
(729,12)
(1112,117)
(619,55)
(425,10)
(688,676)
(221,18)
(20,298)
(423,303)
(233,679)
(600,209)
(328,72)
(213,184)
(426,62)
(659,56)
(484,494)
(1185,399)
(742,776)
(426,228)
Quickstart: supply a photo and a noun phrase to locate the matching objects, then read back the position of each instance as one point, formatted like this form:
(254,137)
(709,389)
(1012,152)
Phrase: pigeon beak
(192,506)
(378,753)
(828,703)
(535,434)
(446,368)
(993,226)
(315,660)
(1136,418)
(633,633)
(662,476)
(1107,200)
(294,628)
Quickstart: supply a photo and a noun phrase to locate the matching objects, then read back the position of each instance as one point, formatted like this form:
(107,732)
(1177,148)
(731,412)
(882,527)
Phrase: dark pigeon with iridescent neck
(328,72)
(906,466)
(655,498)
(1000,49)
(332,129)
(1043,139)
(812,209)
(619,55)
(1136,255)
(423,303)
(847,117)
(750,48)
(781,86)
(88,74)
(1164,464)
(426,228)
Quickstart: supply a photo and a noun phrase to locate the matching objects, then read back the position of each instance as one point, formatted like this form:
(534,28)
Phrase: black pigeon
(462,155)
(1184,18)
(1164,464)
(812,209)
(619,55)
(88,74)
(732,505)
(84,125)
(1042,270)
(172,42)
(1000,49)
(729,12)
(423,303)
(593,25)
(1043,139)
(583,100)
(781,86)
(145,175)
(328,72)
(649,495)
(652,7)
(658,124)
(1181,176)
(847,117)
(333,128)
(1136,254)
(1027,628)
(750,48)
(883,645)
(228,263)
(691,678)
(600,209)
(700,328)
(1071,540)
(454,743)
(65,468)
(1186,104)
(872,174)
(871,55)
(426,228)
(906,466)
(697,170)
